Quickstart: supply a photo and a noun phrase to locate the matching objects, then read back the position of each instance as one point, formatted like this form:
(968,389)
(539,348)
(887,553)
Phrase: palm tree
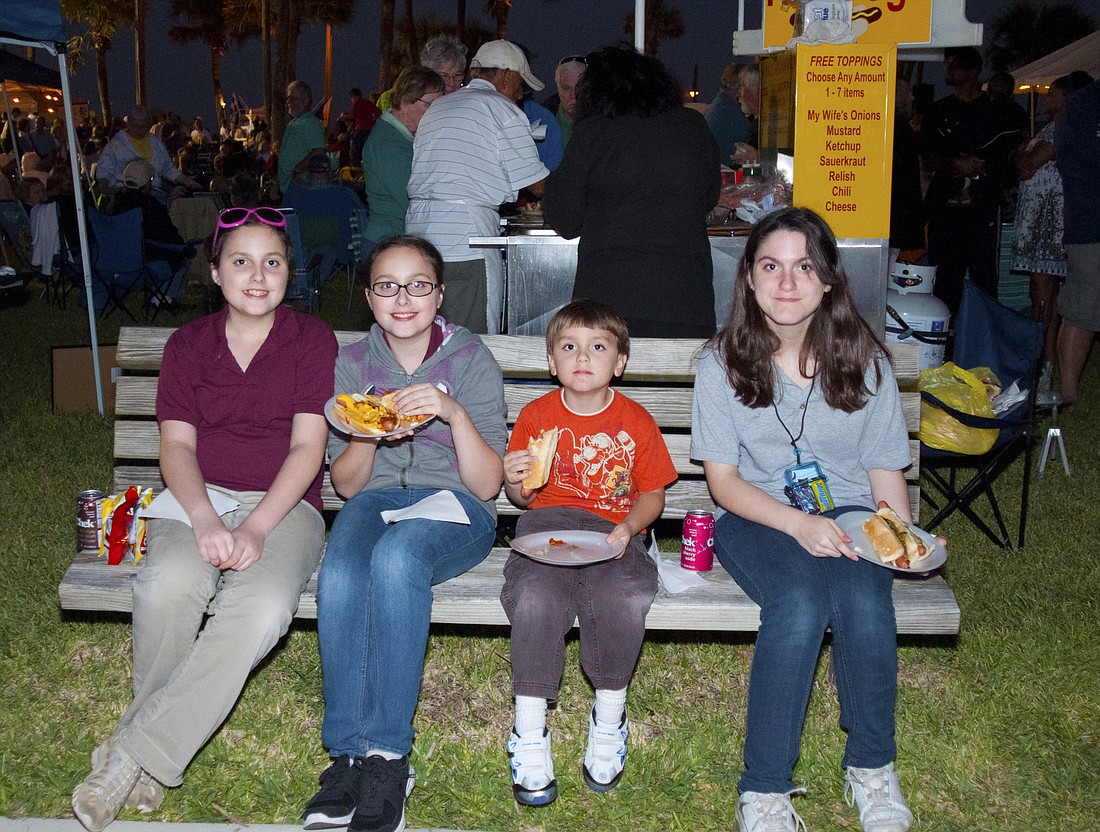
(499,9)
(661,23)
(205,22)
(103,18)
(141,87)
(386,74)
(410,34)
(1028,30)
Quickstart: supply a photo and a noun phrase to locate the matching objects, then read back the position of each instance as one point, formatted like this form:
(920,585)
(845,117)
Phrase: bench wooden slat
(136,396)
(141,348)
(922,606)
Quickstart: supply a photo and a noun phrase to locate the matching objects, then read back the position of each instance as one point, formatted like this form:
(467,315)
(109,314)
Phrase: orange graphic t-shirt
(603,461)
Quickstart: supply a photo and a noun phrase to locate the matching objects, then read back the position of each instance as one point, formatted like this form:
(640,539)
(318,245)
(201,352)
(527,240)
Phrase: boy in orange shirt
(609,476)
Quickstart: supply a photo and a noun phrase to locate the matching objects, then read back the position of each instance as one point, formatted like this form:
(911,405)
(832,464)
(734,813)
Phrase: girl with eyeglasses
(240,403)
(374,596)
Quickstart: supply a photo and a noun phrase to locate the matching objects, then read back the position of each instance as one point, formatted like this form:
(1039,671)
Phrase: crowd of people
(794,377)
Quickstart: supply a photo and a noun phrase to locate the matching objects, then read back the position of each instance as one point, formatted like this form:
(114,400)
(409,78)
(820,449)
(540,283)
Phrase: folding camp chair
(359,248)
(987,334)
(16,227)
(304,283)
(119,264)
(324,217)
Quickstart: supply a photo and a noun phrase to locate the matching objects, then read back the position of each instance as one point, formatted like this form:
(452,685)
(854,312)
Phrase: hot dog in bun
(374,415)
(893,539)
(543,446)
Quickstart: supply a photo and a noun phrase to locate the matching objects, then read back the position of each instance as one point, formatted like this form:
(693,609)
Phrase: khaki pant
(187,676)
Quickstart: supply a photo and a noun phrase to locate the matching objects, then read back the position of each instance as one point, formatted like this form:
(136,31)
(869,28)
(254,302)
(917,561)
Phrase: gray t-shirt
(845,445)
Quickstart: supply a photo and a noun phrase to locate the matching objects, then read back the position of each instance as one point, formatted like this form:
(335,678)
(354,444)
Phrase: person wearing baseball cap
(500,54)
(473,151)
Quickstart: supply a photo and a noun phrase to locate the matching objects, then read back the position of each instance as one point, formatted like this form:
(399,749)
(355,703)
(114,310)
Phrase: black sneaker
(384,786)
(334,805)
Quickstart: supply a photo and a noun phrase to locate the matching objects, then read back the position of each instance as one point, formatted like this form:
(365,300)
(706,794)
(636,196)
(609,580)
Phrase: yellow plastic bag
(967,391)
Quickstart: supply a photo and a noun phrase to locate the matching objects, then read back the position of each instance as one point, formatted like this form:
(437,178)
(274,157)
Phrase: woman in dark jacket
(635,184)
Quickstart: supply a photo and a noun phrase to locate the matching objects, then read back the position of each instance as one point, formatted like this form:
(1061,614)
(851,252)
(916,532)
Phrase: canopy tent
(1081,54)
(22,71)
(37,23)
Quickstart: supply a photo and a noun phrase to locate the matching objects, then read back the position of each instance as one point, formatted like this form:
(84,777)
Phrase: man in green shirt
(567,76)
(304,136)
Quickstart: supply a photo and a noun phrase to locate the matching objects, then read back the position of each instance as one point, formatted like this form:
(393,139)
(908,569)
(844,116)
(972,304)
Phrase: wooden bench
(659,376)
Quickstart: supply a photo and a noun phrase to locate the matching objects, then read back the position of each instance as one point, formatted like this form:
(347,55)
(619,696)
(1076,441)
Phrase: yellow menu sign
(873,21)
(844,135)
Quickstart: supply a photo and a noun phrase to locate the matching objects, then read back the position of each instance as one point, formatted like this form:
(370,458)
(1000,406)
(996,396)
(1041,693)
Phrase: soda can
(87,520)
(697,542)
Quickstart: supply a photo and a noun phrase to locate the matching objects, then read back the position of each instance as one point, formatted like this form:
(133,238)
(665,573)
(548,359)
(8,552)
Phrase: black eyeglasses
(414,288)
(571,59)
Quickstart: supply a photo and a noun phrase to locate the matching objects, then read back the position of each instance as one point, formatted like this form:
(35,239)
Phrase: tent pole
(13,133)
(81,223)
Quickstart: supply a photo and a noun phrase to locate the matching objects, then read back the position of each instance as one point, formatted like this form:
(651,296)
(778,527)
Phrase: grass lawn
(997,729)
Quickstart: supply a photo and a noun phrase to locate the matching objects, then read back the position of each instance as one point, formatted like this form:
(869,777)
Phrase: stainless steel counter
(540,268)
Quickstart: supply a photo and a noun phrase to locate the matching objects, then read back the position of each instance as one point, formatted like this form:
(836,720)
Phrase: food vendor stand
(831,104)
(540,266)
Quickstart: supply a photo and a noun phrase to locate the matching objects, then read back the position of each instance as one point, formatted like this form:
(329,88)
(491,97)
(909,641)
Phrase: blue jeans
(799,597)
(374,604)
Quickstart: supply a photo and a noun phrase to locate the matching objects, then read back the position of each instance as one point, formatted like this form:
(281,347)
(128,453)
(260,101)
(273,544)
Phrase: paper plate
(852,523)
(566,548)
(338,422)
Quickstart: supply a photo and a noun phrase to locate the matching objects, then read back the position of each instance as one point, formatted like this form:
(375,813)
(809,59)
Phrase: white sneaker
(759,812)
(533,782)
(606,754)
(877,794)
(146,796)
(98,800)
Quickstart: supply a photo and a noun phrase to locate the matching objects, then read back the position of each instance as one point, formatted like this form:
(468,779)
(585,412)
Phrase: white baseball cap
(501,54)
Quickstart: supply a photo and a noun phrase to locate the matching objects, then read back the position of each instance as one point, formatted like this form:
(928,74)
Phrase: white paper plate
(852,523)
(570,547)
(337,422)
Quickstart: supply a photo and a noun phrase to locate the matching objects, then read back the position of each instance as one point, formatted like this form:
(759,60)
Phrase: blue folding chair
(304,283)
(324,217)
(1010,343)
(359,248)
(16,227)
(119,265)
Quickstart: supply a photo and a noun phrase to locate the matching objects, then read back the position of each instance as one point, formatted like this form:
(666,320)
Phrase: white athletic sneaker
(98,800)
(606,754)
(533,782)
(759,812)
(875,791)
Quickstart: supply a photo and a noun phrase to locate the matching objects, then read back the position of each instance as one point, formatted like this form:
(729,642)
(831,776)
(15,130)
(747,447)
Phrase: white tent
(1081,54)
(37,23)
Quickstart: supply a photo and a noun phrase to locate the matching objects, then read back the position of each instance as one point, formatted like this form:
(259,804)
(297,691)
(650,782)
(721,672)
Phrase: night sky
(179,76)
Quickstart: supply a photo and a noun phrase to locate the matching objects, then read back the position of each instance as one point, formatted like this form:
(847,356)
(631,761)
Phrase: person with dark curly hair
(635,184)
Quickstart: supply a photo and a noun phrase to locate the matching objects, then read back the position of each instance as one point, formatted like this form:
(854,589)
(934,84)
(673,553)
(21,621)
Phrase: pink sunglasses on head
(236,217)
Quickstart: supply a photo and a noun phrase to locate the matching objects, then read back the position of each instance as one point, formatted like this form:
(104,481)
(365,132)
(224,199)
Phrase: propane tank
(913,313)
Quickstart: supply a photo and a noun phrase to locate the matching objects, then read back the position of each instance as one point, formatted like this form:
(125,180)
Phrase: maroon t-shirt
(244,418)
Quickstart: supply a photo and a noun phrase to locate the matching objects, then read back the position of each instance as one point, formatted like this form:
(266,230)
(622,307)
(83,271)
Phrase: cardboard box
(74,381)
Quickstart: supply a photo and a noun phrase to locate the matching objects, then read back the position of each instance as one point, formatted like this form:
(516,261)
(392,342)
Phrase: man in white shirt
(473,151)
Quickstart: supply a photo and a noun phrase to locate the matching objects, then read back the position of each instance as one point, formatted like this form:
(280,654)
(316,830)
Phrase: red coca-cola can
(87,520)
(697,542)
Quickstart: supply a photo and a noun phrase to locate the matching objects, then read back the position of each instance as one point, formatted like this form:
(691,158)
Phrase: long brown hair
(838,342)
